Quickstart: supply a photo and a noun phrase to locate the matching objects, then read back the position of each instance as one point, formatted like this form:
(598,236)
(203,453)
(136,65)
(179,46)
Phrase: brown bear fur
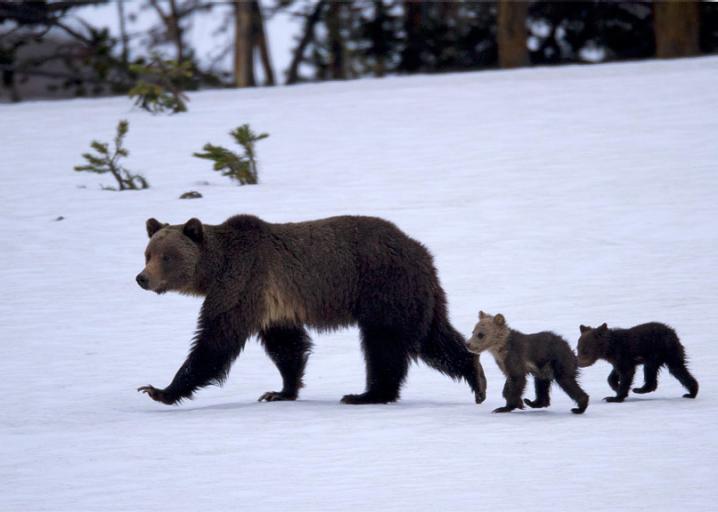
(274,280)
(545,355)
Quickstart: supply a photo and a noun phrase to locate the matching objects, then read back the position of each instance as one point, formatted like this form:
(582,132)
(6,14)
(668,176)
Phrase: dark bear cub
(544,355)
(653,345)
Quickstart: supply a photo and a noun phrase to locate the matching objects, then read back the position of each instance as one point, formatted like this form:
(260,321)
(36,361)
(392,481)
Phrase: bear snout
(142,280)
(583,362)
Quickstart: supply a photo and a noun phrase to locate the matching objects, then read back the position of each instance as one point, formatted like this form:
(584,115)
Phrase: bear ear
(499,320)
(603,327)
(153,226)
(584,328)
(193,229)
(482,315)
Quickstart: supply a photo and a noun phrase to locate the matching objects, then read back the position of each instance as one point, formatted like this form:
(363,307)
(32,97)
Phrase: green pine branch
(160,86)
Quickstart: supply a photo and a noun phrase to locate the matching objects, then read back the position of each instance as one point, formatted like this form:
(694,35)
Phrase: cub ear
(603,327)
(193,230)
(584,328)
(153,226)
(482,315)
(499,320)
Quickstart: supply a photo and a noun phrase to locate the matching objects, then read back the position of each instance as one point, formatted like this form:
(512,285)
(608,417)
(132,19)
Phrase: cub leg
(625,376)
(513,389)
(542,386)
(650,378)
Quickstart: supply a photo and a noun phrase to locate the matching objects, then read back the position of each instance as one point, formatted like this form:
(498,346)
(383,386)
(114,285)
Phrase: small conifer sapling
(242,168)
(105,160)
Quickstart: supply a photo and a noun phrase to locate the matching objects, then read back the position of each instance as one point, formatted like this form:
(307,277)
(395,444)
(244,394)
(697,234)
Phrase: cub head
(172,257)
(490,332)
(592,344)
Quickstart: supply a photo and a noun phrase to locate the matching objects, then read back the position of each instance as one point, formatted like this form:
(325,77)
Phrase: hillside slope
(555,196)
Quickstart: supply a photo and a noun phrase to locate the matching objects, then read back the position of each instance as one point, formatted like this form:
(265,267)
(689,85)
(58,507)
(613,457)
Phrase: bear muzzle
(143,280)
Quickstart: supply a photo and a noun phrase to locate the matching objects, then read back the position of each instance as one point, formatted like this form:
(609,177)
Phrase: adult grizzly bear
(273,280)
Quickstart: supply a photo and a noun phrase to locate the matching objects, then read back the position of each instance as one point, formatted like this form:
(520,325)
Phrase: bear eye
(166,258)
(480,335)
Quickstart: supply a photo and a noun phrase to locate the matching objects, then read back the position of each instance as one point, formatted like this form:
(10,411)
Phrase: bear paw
(614,399)
(276,396)
(535,404)
(506,408)
(158,395)
(366,398)
(643,390)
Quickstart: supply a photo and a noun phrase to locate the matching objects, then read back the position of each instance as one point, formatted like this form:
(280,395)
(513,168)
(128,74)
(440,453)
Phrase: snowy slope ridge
(554,196)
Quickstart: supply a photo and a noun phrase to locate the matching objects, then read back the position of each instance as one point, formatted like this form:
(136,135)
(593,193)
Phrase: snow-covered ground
(555,196)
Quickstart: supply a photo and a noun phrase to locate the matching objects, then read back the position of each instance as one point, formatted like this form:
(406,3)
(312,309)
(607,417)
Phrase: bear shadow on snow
(274,280)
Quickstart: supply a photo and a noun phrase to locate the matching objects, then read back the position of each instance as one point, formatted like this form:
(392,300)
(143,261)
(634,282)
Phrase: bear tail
(444,349)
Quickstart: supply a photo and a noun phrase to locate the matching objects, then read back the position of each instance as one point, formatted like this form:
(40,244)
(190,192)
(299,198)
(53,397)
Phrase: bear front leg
(216,345)
(513,390)
(613,379)
(289,348)
(625,376)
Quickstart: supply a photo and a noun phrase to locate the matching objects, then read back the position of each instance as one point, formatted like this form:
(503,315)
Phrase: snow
(557,196)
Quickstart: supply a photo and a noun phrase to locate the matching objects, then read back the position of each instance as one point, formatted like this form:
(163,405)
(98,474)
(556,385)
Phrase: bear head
(172,257)
(490,333)
(592,344)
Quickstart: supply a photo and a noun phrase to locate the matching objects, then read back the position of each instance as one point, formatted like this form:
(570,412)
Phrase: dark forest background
(46,49)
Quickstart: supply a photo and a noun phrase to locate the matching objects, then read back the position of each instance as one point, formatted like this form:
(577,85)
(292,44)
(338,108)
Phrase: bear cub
(544,355)
(653,345)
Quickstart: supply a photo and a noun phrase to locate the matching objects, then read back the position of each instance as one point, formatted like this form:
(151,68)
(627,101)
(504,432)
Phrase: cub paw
(535,404)
(613,399)
(503,409)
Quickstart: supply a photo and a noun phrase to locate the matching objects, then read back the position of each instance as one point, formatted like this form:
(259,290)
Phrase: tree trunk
(172,23)
(307,36)
(413,18)
(243,54)
(260,41)
(176,31)
(511,33)
(676,24)
(123,32)
(337,68)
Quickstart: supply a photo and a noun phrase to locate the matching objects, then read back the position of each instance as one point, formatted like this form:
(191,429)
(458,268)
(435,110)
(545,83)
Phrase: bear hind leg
(387,357)
(289,348)
(679,370)
(543,399)
(569,384)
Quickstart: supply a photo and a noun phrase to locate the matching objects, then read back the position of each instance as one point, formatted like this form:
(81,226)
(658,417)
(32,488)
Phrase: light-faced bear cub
(652,345)
(544,355)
